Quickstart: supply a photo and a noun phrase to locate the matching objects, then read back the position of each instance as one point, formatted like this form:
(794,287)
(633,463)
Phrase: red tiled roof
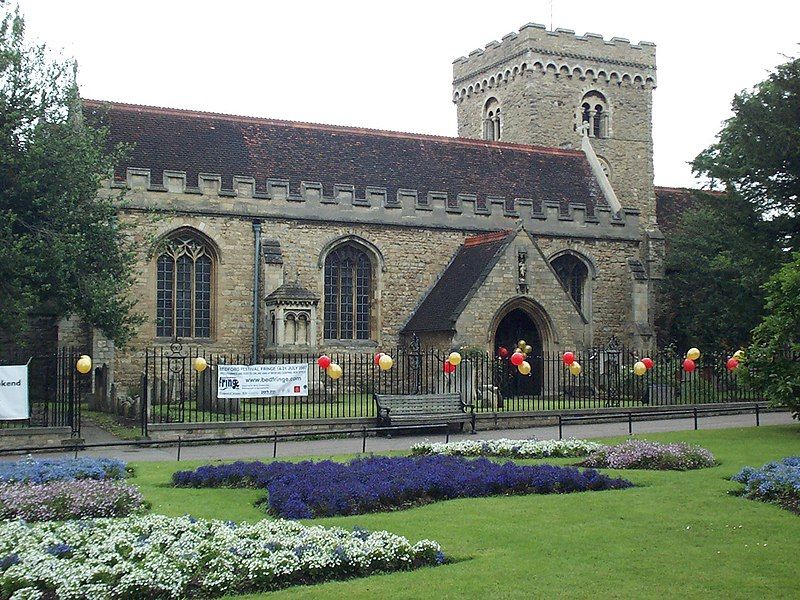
(485,238)
(672,202)
(199,142)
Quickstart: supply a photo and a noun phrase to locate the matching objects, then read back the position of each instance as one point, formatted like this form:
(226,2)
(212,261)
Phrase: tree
(721,254)
(773,359)
(757,153)
(64,249)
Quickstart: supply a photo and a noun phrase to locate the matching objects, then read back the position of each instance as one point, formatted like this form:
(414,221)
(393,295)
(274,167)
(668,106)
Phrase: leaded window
(573,273)
(183,289)
(348,291)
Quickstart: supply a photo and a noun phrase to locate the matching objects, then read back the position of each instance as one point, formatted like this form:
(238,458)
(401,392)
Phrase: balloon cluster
(333,370)
(689,364)
(640,367)
(383,360)
(451,363)
(518,357)
(733,362)
(568,358)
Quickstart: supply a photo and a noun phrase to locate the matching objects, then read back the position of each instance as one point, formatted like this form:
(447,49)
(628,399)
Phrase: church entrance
(515,326)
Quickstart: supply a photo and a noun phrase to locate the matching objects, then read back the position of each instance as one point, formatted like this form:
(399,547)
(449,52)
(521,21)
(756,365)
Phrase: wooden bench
(419,409)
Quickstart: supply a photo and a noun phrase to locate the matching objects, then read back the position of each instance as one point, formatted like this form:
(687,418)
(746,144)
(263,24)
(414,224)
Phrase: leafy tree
(773,359)
(721,254)
(64,248)
(757,153)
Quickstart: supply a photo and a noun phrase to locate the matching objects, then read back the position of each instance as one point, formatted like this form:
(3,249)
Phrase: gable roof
(672,202)
(473,262)
(200,142)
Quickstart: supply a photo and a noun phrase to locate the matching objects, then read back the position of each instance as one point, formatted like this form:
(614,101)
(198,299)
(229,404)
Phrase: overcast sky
(389,65)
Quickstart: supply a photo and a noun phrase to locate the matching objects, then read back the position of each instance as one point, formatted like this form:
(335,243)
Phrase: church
(539,221)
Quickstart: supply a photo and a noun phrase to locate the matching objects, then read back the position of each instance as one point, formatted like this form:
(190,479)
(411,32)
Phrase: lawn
(679,534)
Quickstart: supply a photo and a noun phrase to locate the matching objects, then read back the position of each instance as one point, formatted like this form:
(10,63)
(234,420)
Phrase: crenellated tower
(548,88)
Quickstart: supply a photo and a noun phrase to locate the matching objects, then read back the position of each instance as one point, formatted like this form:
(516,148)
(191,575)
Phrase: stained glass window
(348,293)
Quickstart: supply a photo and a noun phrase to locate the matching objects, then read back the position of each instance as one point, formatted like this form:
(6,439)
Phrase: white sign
(14,393)
(261,381)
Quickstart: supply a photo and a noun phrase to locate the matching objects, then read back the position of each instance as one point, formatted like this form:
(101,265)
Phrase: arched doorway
(518,325)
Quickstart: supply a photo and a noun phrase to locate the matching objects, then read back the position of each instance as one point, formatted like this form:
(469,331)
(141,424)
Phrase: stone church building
(538,221)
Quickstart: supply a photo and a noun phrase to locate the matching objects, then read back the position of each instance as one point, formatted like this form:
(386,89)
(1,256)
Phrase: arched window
(594,115)
(184,288)
(348,294)
(491,120)
(573,273)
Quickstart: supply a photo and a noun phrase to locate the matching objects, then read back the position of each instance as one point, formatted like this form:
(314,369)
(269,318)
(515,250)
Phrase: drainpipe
(256,285)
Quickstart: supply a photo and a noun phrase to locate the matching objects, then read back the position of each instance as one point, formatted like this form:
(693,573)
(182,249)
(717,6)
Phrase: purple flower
(641,454)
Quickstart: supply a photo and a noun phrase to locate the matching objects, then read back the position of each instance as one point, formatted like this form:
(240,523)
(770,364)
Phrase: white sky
(388,65)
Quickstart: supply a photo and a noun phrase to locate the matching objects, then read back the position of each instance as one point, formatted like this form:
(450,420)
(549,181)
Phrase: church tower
(547,88)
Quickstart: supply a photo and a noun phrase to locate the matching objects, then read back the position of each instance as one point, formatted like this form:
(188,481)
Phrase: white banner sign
(261,381)
(14,393)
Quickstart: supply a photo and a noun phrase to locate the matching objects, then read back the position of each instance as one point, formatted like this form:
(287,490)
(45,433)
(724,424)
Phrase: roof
(672,202)
(473,262)
(199,142)
(292,292)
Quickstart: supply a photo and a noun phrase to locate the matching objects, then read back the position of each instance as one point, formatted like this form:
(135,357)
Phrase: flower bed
(61,500)
(569,448)
(317,489)
(777,482)
(641,454)
(155,556)
(41,471)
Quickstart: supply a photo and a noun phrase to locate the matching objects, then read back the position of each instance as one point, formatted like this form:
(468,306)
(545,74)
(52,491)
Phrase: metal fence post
(560,428)
(758,416)
(363,439)
(694,410)
(630,423)
(275,444)
(179,448)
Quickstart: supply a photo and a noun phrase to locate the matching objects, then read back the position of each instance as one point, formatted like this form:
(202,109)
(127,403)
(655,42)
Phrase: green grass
(680,534)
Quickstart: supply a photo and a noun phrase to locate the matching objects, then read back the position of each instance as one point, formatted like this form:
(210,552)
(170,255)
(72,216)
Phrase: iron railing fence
(176,393)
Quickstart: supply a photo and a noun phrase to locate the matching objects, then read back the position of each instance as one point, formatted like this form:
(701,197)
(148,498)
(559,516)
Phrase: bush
(41,471)
(308,489)
(777,482)
(569,448)
(640,454)
(155,556)
(62,500)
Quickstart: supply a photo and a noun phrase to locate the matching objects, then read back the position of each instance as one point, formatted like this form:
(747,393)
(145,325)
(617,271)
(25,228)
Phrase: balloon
(528,349)
(377,358)
(575,368)
(324,361)
(448,367)
(454,358)
(502,352)
(568,358)
(732,364)
(200,364)
(524,367)
(517,358)
(334,371)
(648,363)
(385,362)
(693,354)
(688,365)
(739,355)
(639,368)
(84,364)
(521,344)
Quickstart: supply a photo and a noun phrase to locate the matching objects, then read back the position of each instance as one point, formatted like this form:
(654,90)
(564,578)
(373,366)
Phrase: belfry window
(594,115)
(348,294)
(573,274)
(491,120)
(184,289)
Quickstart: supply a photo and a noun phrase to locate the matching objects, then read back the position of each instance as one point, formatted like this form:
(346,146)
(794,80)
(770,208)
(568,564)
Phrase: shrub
(61,500)
(40,471)
(309,489)
(155,556)
(569,448)
(777,482)
(640,454)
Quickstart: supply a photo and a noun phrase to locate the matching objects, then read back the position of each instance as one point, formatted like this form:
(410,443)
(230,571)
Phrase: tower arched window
(348,294)
(184,288)
(594,116)
(491,120)
(573,273)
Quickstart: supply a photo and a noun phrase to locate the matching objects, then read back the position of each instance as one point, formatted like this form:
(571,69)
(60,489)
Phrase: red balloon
(377,358)
(517,358)
(448,367)
(568,358)
(648,363)
(324,361)
(688,365)
(502,352)
(732,364)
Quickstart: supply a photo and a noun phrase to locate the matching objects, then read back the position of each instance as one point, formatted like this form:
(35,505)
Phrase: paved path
(329,447)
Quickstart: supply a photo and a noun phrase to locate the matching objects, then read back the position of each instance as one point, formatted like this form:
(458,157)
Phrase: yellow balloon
(528,349)
(454,359)
(200,364)
(639,368)
(739,355)
(575,368)
(334,371)
(84,364)
(521,344)
(693,354)
(524,367)
(385,362)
